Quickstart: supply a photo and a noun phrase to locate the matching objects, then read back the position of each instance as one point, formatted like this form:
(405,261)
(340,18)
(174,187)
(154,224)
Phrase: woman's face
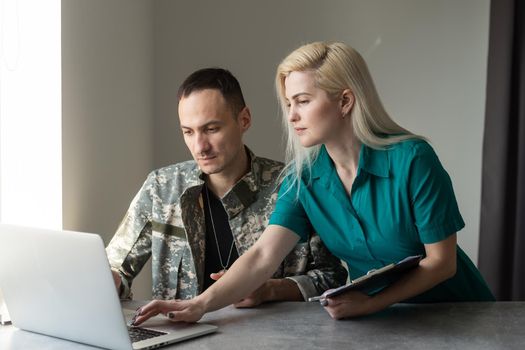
(314,115)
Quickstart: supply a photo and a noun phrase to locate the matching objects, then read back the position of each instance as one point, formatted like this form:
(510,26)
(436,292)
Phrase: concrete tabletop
(292,325)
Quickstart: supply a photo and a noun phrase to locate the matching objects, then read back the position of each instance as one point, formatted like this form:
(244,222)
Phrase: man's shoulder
(267,164)
(188,171)
(268,170)
(184,167)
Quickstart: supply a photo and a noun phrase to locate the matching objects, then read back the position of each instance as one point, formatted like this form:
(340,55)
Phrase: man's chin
(210,170)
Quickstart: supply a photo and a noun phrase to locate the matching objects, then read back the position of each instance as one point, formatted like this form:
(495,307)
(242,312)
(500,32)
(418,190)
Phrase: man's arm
(130,247)
(127,255)
(323,270)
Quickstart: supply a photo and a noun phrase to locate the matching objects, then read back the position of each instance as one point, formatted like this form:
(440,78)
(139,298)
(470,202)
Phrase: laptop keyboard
(137,334)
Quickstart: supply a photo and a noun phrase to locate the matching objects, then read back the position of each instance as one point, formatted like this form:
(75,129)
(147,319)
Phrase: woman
(374,192)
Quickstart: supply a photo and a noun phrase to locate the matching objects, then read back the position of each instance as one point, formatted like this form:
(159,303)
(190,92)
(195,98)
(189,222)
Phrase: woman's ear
(347,101)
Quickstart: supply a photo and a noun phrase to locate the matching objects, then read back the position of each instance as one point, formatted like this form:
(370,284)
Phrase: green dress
(401,199)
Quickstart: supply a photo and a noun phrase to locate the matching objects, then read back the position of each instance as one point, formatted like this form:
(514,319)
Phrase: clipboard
(376,279)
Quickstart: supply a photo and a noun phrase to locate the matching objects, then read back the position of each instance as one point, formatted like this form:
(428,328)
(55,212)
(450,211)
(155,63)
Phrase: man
(195,218)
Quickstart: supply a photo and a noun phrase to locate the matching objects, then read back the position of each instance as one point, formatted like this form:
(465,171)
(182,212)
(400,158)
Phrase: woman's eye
(303,102)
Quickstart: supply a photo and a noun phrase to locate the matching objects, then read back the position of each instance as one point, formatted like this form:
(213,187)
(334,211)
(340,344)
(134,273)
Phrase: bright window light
(30,113)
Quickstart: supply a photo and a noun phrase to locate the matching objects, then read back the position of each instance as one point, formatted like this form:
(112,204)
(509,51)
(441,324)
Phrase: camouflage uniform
(166,220)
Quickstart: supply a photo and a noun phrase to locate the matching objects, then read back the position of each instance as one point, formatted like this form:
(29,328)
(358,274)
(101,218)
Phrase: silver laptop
(59,283)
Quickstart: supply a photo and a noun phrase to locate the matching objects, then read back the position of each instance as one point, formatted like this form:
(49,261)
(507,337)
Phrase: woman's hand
(350,304)
(176,310)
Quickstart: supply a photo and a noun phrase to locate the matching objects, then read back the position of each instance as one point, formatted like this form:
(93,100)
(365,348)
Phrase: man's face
(212,132)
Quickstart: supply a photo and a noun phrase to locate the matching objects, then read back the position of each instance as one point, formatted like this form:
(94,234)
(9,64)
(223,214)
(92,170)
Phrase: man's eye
(212,129)
(187,132)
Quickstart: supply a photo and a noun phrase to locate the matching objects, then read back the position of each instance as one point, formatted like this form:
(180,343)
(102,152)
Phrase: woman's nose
(292,115)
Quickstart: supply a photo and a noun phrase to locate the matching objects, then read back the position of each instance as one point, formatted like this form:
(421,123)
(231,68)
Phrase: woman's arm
(438,266)
(248,272)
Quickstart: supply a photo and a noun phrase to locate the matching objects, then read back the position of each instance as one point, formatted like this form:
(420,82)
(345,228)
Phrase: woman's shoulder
(405,154)
(411,148)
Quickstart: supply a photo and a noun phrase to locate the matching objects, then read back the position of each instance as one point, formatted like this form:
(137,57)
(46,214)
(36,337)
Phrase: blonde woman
(374,192)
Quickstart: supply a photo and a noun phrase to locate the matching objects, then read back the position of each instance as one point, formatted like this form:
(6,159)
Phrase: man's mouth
(206,157)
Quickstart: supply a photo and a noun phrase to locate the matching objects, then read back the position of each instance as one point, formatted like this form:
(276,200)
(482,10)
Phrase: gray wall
(428,59)
(107,66)
(123,61)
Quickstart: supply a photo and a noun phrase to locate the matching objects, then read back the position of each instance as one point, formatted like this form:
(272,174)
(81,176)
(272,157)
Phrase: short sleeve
(289,212)
(434,204)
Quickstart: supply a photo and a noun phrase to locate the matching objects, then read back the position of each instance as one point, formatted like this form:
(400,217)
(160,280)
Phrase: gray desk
(307,326)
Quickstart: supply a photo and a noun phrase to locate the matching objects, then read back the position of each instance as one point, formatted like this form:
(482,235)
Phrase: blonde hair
(337,67)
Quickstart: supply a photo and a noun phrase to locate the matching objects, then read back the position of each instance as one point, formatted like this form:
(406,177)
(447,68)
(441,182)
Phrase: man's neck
(221,183)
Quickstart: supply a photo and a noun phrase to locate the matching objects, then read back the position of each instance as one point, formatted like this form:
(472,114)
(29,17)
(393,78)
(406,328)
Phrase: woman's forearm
(250,270)
(438,266)
(426,276)
(244,276)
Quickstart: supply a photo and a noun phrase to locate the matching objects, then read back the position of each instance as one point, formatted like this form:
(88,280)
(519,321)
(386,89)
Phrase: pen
(320,298)
(317,298)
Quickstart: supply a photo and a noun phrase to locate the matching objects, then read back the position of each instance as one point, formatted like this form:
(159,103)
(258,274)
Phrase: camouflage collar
(243,193)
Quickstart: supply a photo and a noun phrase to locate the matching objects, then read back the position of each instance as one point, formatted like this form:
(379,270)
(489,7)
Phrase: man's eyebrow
(212,122)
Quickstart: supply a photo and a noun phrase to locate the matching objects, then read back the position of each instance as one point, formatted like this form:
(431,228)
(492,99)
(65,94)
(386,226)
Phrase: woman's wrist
(203,302)
(374,304)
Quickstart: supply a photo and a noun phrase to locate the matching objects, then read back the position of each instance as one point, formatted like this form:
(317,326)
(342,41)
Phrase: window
(30,113)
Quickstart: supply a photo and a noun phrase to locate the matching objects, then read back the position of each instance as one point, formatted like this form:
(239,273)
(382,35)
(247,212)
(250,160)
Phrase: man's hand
(116,279)
(259,296)
(176,310)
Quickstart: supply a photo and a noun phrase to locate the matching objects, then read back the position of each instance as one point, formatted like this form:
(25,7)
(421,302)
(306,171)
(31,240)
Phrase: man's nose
(202,144)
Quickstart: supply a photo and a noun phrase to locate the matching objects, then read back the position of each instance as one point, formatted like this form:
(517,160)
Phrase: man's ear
(244,119)
(347,101)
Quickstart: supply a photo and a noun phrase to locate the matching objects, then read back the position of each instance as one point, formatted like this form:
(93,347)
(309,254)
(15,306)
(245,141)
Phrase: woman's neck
(344,151)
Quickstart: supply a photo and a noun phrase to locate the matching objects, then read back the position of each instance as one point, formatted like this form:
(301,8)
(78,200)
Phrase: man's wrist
(121,289)
(280,290)
(268,290)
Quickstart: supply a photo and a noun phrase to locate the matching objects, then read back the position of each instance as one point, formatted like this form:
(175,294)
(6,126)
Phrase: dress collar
(373,161)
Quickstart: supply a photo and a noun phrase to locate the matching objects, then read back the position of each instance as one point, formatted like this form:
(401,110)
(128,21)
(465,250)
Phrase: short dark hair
(215,78)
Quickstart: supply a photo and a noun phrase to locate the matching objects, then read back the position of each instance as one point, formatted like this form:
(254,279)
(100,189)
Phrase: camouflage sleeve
(323,270)
(130,247)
